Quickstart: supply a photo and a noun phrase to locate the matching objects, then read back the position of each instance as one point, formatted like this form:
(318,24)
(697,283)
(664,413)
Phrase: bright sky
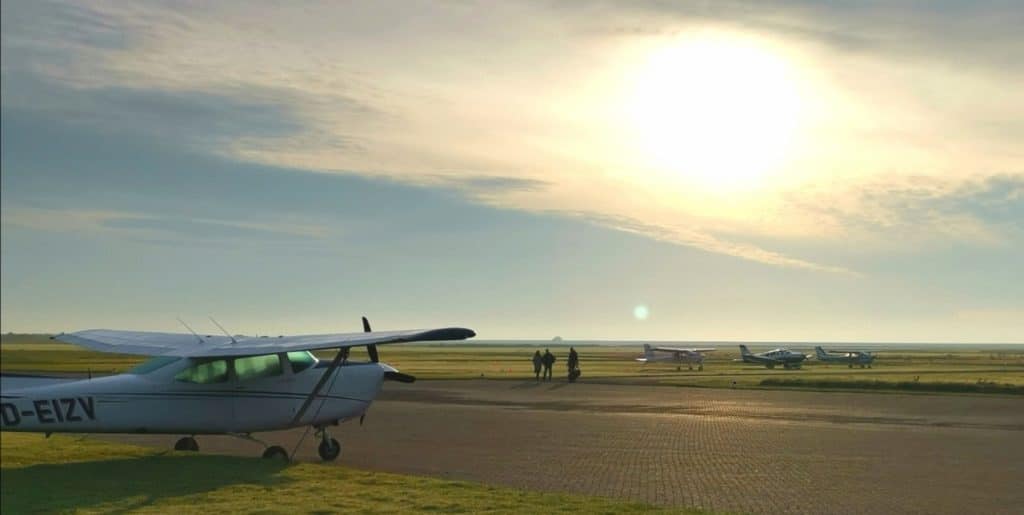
(595,170)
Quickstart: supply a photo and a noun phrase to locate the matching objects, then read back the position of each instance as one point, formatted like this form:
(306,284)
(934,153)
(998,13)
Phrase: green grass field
(906,370)
(65,474)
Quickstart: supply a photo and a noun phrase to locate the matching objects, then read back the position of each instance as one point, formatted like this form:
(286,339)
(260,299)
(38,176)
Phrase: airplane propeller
(374,357)
(372,348)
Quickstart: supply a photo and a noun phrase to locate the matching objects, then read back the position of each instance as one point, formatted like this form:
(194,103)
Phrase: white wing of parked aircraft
(681,349)
(677,355)
(191,346)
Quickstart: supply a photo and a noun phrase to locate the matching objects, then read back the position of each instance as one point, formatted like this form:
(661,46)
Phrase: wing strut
(319,385)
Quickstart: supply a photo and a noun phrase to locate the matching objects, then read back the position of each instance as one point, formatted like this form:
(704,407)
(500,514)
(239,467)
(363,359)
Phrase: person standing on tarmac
(549,361)
(538,361)
(573,364)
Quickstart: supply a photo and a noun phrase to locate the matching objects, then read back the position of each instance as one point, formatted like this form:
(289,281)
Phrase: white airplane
(233,385)
(675,355)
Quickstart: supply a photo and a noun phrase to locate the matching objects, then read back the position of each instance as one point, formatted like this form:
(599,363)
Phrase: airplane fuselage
(783,357)
(848,359)
(675,357)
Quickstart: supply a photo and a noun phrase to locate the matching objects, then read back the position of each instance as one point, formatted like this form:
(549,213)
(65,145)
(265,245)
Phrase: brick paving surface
(731,450)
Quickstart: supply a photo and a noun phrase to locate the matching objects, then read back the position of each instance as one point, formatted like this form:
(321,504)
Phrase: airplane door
(198,401)
(263,393)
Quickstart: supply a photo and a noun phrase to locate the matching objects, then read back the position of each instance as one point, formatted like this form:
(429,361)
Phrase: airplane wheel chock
(186,444)
(329,449)
(275,452)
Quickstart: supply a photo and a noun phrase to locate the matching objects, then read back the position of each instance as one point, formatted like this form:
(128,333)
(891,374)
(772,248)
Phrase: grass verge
(914,386)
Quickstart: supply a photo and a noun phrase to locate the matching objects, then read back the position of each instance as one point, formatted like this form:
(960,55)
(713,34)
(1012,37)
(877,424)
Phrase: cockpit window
(252,367)
(301,360)
(215,371)
(152,364)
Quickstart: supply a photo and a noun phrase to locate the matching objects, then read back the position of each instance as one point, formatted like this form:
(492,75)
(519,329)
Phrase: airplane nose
(392,374)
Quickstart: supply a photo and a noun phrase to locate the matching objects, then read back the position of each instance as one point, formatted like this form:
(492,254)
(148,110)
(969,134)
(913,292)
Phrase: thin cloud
(485,188)
(155,227)
(709,243)
(921,210)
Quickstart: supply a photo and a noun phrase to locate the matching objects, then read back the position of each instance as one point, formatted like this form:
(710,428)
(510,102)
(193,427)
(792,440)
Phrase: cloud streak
(920,211)
(176,230)
(706,242)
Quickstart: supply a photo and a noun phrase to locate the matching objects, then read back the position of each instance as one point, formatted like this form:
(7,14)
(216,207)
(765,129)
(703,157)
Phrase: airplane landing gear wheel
(275,452)
(329,449)
(186,444)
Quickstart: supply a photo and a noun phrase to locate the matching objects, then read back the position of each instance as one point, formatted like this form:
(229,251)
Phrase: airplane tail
(744,351)
(820,352)
(648,352)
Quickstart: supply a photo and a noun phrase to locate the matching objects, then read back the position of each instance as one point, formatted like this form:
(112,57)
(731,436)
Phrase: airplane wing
(187,345)
(679,349)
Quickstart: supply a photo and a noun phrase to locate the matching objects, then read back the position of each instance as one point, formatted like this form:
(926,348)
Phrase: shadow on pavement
(526,385)
(120,485)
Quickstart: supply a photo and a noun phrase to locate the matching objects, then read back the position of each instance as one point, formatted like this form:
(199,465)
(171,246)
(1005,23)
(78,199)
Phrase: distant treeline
(977,387)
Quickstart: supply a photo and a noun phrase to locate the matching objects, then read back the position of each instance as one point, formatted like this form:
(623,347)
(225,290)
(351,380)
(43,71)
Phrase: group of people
(547,360)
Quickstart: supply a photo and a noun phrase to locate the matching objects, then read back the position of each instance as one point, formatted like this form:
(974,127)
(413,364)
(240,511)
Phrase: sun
(713,110)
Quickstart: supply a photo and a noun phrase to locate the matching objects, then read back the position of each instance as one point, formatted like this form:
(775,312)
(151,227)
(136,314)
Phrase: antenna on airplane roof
(226,333)
(200,340)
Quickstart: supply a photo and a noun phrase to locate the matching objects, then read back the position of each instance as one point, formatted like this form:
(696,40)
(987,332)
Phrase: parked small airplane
(232,385)
(675,355)
(785,357)
(850,357)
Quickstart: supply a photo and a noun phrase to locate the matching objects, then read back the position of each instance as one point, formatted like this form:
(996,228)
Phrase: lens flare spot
(641,312)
